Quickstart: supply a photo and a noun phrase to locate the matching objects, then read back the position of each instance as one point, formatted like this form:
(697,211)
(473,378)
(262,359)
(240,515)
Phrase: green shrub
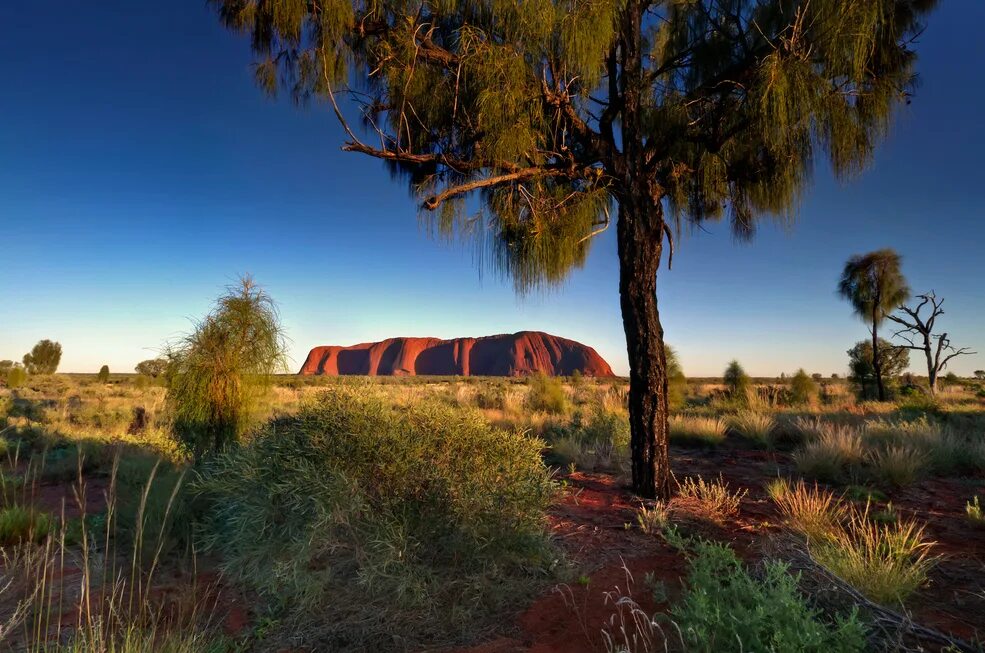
(217,374)
(546,394)
(803,389)
(103,375)
(19,524)
(725,609)
(413,522)
(16,377)
(737,382)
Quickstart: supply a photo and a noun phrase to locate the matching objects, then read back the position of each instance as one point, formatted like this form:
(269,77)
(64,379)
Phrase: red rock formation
(518,354)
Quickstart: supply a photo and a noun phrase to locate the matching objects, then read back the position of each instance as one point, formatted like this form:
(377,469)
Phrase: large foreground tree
(552,110)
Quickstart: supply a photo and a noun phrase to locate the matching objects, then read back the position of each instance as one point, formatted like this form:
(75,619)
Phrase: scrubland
(442,513)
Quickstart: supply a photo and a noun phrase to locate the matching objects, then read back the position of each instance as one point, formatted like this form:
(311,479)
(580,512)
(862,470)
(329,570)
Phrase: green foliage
(43,357)
(873,284)
(16,377)
(862,374)
(217,373)
(394,523)
(19,524)
(676,381)
(153,367)
(725,609)
(546,394)
(803,388)
(497,98)
(103,376)
(737,382)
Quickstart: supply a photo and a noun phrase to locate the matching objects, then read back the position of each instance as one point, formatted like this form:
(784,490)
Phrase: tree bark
(876,358)
(640,240)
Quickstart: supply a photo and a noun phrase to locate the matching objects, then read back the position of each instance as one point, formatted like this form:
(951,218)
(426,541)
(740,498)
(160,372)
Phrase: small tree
(803,388)
(103,375)
(918,333)
(5,366)
(16,377)
(43,358)
(153,367)
(218,372)
(980,375)
(862,372)
(874,286)
(676,381)
(737,381)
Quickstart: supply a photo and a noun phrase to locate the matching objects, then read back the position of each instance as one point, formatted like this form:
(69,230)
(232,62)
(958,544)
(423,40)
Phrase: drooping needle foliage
(217,372)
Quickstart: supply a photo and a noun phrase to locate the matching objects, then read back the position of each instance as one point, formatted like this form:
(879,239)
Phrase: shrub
(676,381)
(19,524)
(652,520)
(694,430)
(217,373)
(758,427)
(103,376)
(974,511)
(803,389)
(725,609)
(546,394)
(152,368)
(16,377)
(412,522)
(738,382)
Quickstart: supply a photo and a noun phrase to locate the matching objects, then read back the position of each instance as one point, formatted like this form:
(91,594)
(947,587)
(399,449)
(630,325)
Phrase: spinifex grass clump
(393,526)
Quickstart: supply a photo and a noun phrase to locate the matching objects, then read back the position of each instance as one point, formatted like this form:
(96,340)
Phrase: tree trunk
(640,239)
(877,359)
(931,364)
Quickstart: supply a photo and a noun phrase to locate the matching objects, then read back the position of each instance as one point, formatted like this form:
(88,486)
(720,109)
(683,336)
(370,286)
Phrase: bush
(16,377)
(43,358)
(811,511)
(546,394)
(19,525)
(803,389)
(833,456)
(103,376)
(725,609)
(738,382)
(897,465)
(708,500)
(218,373)
(411,522)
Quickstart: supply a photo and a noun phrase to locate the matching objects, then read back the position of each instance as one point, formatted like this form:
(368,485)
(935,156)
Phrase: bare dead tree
(918,333)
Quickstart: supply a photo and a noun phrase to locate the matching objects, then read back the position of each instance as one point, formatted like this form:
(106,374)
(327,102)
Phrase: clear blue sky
(141,171)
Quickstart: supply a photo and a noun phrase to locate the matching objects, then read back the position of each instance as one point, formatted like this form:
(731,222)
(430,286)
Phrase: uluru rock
(518,354)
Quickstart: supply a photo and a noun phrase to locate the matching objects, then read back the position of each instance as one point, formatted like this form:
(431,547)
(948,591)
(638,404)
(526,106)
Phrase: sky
(142,171)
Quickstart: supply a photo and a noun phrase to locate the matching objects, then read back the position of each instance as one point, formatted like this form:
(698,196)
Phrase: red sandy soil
(590,525)
(515,354)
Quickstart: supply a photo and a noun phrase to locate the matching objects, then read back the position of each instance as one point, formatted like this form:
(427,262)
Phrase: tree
(803,388)
(153,367)
(874,286)
(861,369)
(980,375)
(43,358)
(6,366)
(552,110)
(676,381)
(218,371)
(918,328)
(737,381)
(103,376)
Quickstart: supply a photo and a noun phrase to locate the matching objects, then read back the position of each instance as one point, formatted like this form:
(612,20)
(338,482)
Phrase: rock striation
(518,354)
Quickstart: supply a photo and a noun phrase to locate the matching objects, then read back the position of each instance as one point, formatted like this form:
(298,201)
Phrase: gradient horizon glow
(141,171)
